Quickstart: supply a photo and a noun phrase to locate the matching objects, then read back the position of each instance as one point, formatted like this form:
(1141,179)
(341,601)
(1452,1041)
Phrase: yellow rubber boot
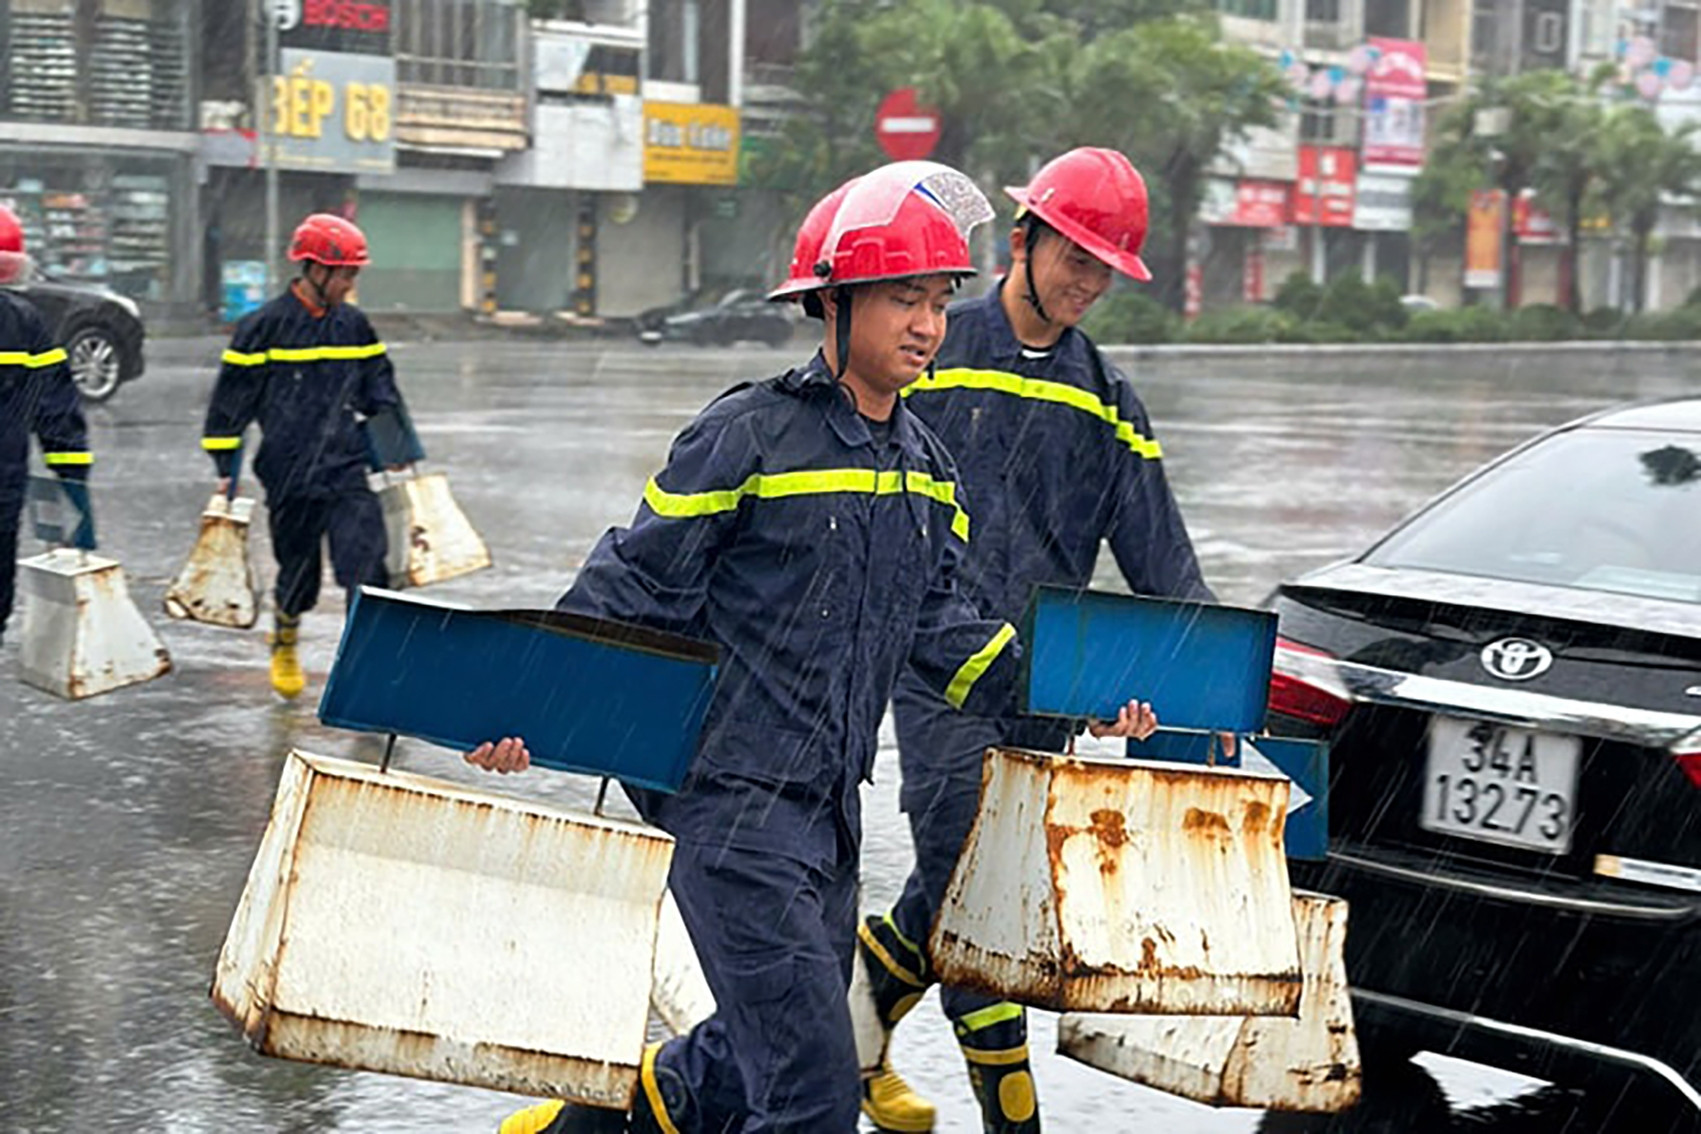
(563,1118)
(893,1105)
(995,1043)
(287,676)
(897,975)
(532,1120)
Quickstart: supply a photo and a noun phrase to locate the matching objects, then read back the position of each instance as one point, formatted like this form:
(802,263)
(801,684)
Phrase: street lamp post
(265,124)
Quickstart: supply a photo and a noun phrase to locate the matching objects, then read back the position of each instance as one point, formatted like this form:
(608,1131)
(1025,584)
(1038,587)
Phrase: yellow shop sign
(690,143)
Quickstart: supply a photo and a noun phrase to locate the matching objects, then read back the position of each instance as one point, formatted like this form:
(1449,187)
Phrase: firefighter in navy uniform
(36,395)
(811,526)
(1056,454)
(308,368)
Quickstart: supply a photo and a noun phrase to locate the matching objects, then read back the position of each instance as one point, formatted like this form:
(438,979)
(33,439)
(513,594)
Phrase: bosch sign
(344,14)
(361,26)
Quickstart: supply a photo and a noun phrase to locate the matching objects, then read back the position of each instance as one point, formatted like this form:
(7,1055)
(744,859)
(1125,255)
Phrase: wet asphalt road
(127,822)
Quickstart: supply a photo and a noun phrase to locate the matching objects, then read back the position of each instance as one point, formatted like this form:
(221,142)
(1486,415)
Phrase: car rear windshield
(1599,510)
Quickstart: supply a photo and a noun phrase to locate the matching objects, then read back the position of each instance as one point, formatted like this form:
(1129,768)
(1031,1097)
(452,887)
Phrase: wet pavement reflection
(127,822)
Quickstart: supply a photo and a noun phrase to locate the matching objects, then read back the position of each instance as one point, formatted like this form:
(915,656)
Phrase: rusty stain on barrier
(430,537)
(216,583)
(1310,1063)
(1123,886)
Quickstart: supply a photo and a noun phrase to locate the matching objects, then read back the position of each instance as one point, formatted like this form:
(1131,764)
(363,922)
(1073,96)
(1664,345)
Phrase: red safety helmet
(11,232)
(325,238)
(909,218)
(806,253)
(13,261)
(1096,198)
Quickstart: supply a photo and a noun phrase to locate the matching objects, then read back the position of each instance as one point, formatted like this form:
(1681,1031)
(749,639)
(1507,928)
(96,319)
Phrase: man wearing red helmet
(811,527)
(303,366)
(1056,455)
(36,394)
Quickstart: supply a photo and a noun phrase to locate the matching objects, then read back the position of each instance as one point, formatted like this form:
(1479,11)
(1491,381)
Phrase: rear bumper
(1476,967)
(1545,1054)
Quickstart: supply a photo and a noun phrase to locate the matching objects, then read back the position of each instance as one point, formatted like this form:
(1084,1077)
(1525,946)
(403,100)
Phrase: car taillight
(1303,684)
(1690,762)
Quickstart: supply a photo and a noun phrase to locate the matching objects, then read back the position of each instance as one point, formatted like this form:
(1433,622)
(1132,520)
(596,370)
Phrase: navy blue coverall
(304,375)
(822,561)
(36,395)
(1057,453)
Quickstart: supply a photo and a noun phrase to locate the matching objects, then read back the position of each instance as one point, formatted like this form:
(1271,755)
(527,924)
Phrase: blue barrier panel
(60,512)
(586,695)
(1305,762)
(1183,748)
(391,440)
(1201,665)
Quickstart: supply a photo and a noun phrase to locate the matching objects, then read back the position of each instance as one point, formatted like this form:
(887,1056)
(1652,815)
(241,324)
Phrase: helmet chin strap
(318,289)
(1030,238)
(841,330)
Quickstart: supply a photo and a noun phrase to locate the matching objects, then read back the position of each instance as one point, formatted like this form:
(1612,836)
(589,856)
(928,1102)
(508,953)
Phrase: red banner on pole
(1327,174)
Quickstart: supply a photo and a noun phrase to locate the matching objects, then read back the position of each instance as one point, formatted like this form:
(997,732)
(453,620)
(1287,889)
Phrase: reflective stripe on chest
(809,482)
(1041,390)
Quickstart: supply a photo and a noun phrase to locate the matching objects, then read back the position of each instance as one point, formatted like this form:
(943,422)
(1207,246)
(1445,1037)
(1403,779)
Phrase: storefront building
(97,153)
(585,169)
(650,248)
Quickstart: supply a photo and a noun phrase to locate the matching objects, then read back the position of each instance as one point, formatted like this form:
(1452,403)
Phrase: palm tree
(1574,121)
(1171,95)
(1644,164)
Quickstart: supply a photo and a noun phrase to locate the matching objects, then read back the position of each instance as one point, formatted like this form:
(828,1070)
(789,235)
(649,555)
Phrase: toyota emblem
(1516,659)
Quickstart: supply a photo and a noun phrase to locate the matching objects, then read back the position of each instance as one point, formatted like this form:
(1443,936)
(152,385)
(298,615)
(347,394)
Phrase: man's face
(896,329)
(1068,278)
(338,283)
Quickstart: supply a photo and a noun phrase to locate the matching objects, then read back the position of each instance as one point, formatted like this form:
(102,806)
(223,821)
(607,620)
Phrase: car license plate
(1501,785)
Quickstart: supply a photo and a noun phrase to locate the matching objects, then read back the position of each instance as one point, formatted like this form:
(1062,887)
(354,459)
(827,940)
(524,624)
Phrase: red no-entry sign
(906,131)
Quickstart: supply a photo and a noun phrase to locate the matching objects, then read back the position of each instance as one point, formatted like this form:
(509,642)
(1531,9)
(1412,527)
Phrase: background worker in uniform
(1056,454)
(36,394)
(303,367)
(810,526)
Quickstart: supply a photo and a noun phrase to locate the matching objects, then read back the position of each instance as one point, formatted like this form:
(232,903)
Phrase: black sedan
(100,330)
(739,315)
(1511,682)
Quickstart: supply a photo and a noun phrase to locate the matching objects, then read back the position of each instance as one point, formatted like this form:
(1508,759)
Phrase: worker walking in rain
(1056,454)
(308,367)
(36,395)
(811,526)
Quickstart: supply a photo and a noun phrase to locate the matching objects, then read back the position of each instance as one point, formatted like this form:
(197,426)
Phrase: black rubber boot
(995,1043)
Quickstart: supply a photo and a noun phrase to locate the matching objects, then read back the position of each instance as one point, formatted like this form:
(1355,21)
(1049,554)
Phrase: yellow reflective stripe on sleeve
(958,691)
(32,361)
(990,1015)
(220,444)
(69,457)
(1040,390)
(305,354)
(807,482)
(685,505)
